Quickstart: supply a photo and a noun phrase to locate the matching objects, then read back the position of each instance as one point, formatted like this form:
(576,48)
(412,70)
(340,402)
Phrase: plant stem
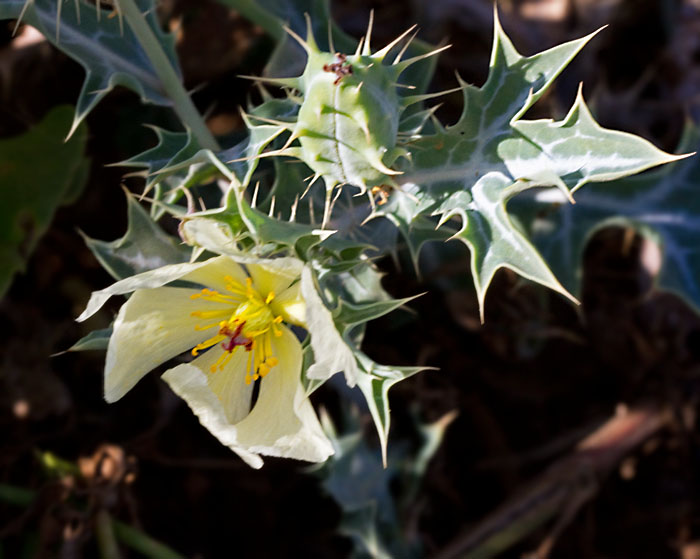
(249,9)
(128,535)
(172,85)
(143,543)
(106,542)
(16,495)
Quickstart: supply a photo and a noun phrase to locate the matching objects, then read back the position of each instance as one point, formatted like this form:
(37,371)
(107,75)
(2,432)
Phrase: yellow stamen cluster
(247,321)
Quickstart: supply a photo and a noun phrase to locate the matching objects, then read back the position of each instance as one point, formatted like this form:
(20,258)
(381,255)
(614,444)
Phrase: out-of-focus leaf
(374,498)
(103,45)
(273,15)
(38,173)
(144,247)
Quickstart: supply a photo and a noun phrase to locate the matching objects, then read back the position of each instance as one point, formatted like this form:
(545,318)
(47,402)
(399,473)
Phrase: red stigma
(235,338)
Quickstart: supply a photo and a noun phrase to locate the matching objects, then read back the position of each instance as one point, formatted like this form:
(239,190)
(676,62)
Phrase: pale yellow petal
(228,384)
(192,385)
(212,275)
(290,305)
(274,275)
(146,280)
(151,327)
(283,422)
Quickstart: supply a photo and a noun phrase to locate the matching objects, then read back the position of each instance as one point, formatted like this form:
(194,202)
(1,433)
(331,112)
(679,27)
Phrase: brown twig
(561,490)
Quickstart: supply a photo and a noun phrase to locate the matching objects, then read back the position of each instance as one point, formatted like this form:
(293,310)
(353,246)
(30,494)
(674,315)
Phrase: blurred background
(486,454)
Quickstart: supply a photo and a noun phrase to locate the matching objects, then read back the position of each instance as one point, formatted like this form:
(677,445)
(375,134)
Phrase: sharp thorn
(331,46)
(283,124)
(312,217)
(264,93)
(292,83)
(379,166)
(190,199)
(327,207)
(310,40)
(366,50)
(358,51)
(382,53)
(298,39)
(254,201)
(293,211)
(308,187)
(405,48)
(372,203)
(406,63)
(411,99)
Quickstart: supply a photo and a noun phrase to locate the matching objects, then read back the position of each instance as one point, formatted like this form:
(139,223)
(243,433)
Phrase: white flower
(236,329)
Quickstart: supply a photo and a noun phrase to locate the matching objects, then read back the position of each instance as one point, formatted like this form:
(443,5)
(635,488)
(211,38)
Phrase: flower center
(247,321)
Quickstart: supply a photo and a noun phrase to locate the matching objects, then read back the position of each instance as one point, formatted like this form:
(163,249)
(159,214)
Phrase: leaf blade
(31,193)
(108,51)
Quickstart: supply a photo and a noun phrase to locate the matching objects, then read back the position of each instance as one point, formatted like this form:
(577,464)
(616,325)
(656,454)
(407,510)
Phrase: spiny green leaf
(336,334)
(244,221)
(471,170)
(374,381)
(268,233)
(349,314)
(578,150)
(243,157)
(663,205)
(172,148)
(145,246)
(95,340)
(174,164)
(349,220)
(495,243)
(362,284)
(178,159)
(38,173)
(416,229)
(515,82)
(107,49)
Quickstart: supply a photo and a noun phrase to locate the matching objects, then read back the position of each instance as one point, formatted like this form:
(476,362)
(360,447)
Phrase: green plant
(357,121)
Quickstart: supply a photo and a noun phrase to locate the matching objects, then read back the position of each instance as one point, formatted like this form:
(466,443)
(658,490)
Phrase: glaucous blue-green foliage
(354,121)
